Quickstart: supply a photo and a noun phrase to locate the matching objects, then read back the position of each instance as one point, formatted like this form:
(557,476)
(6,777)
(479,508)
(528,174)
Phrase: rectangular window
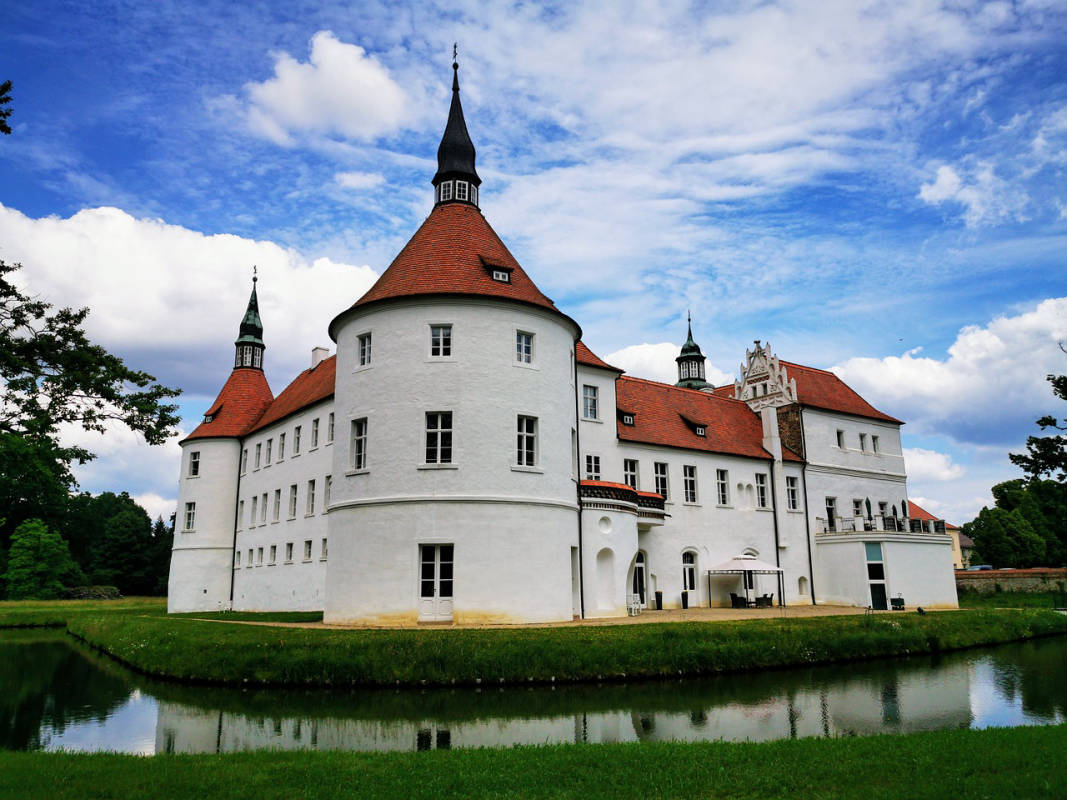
(863,441)
(314,433)
(524,347)
(270,448)
(252,516)
(273,554)
(689,483)
(502,275)
(327,490)
(277,515)
(629,472)
(526,442)
(288,552)
(259,453)
(194,464)
(307,549)
(292,501)
(662,484)
(190,516)
(883,508)
(440,341)
(329,428)
(592,468)
(359,443)
(364,349)
(461,190)
(590,402)
(439,437)
(311,497)
(259,556)
(874,443)
(249,557)
(761,490)
(237,559)
(281,446)
(792,494)
(841,439)
(296,440)
(263,510)
(244,461)
(857,507)
(831,513)
(722,486)
(240,514)
(446,190)
(324,550)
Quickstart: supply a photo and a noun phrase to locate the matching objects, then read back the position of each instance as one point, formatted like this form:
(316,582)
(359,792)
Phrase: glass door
(435,582)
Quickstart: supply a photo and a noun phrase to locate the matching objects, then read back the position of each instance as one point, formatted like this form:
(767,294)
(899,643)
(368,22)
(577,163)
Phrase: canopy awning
(743,564)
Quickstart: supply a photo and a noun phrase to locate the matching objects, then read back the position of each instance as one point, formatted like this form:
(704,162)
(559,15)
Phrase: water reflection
(54,694)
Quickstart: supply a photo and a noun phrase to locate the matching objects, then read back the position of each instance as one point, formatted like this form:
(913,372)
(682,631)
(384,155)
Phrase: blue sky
(873,187)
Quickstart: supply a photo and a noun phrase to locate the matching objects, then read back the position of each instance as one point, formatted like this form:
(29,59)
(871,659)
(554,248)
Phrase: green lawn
(56,613)
(1009,600)
(1009,762)
(189,649)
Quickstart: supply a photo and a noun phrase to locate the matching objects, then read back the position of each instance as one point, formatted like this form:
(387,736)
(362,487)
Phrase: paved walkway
(671,615)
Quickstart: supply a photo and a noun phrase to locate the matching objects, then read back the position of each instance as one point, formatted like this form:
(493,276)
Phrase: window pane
(426,589)
(876,572)
(873,550)
(446,589)
(446,571)
(446,552)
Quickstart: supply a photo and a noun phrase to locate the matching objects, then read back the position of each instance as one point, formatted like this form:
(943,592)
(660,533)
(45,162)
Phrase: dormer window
(627,419)
(501,275)
(700,430)
(446,191)
(461,190)
(474,194)
(209,418)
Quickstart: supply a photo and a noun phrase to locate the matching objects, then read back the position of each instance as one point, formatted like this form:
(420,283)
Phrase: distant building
(464,457)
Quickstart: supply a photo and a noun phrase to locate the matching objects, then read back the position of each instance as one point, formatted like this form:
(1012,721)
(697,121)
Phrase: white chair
(633,604)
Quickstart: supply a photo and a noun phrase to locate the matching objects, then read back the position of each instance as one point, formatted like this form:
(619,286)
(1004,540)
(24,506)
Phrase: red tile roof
(819,388)
(583,355)
(661,412)
(453,252)
(918,512)
(310,386)
(237,409)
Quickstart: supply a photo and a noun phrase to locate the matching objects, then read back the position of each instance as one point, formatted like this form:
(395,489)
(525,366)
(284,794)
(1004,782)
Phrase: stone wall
(1012,580)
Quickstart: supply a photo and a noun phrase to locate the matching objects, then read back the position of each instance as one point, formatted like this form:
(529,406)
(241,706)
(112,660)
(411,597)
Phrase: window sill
(295,455)
(521,365)
(191,477)
(437,466)
(363,368)
(321,560)
(271,564)
(352,472)
(440,360)
(328,443)
(593,419)
(764,508)
(794,510)
(287,562)
(266,466)
(313,448)
(723,505)
(695,505)
(523,468)
(275,521)
(309,515)
(307,561)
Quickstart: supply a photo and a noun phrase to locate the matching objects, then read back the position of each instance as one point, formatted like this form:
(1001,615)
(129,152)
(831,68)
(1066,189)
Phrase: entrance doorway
(435,582)
(876,575)
(638,585)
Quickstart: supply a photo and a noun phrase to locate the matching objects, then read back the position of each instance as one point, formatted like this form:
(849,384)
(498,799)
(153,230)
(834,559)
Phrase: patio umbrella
(904,508)
(739,565)
(869,517)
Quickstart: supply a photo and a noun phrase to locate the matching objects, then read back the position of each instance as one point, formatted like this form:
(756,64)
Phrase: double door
(435,582)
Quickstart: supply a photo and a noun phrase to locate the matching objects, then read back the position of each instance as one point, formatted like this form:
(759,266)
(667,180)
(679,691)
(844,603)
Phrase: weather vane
(254,278)
(455,50)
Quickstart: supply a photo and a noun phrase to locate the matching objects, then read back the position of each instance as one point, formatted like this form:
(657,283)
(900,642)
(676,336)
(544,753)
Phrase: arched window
(689,571)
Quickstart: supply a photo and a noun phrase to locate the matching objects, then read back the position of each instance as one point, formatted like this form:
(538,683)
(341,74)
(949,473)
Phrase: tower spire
(456,179)
(691,361)
(249,342)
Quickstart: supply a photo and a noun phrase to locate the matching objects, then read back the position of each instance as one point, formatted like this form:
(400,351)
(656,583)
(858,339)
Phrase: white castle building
(465,458)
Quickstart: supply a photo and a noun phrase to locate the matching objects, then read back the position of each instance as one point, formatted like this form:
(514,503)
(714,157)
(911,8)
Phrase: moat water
(56,694)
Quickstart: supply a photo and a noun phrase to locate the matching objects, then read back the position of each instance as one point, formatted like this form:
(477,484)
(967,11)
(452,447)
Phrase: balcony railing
(877,522)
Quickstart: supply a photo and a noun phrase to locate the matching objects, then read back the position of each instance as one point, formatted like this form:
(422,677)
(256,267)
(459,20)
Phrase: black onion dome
(455,154)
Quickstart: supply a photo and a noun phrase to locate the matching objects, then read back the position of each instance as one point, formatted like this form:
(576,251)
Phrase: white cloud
(989,389)
(656,362)
(339,90)
(359,180)
(157,506)
(930,465)
(986,198)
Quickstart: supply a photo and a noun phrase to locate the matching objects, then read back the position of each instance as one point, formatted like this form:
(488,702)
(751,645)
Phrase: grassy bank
(1010,762)
(188,649)
(1008,600)
(56,613)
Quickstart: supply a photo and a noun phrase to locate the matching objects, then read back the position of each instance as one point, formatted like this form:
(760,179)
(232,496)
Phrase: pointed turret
(249,342)
(456,180)
(691,362)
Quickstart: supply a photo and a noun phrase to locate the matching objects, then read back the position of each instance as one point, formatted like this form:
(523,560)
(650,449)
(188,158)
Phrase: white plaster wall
(300,584)
(820,441)
(613,532)
(512,527)
(200,559)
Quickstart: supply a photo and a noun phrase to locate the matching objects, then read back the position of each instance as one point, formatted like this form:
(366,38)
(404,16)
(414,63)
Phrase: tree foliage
(5,98)
(1005,539)
(39,564)
(1047,455)
(51,377)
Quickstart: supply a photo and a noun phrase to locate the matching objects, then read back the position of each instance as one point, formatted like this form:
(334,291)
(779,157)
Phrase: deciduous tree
(39,564)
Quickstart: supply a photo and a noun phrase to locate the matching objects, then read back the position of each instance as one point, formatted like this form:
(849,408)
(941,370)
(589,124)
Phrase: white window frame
(689,483)
(259,556)
(276,514)
(501,276)
(314,433)
(722,486)
(259,454)
(689,571)
(841,438)
(630,469)
(240,514)
(296,440)
(307,549)
(263,509)
(292,500)
(874,443)
(244,461)
(310,501)
(700,430)
(358,444)
(524,347)
(237,559)
(268,452)
(462,190)
(272,559)
(590,401)
(761,490)
(444,191)
(327,492)
(254,510)
(661,474)
(364,347)
(441,340)
(329,428)
(281,446)
(288,552)
(863,442)
(592,467)
(792,493)
(257,358)
(438,439)
(194,464)
(857,507)
(526,441)
(190,517)
(323,552)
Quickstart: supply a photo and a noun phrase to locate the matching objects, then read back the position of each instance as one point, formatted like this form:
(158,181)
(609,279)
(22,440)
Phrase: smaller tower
(456,180)
(249,345)
(691,362)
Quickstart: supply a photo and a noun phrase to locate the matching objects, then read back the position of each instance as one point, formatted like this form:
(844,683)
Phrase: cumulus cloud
(988,390)
(339,90)
(656,363)
(986,198)
(930,465)
(359,180)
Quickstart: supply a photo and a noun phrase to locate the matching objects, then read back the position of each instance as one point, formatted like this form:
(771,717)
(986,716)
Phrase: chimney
(318,355)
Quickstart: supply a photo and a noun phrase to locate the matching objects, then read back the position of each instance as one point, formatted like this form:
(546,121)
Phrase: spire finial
(456,178)
(254,277)
(455,49)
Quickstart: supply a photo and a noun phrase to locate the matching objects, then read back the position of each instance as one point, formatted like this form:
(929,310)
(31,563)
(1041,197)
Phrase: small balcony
(877,522)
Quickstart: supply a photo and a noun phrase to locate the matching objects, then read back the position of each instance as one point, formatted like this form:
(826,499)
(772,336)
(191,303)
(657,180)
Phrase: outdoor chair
(737,602)
(765,601)
(896,603)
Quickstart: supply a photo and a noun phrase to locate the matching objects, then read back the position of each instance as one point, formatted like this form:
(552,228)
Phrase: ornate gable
(764,380)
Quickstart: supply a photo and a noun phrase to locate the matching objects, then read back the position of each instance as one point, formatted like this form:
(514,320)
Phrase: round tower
(454,495)
(201,563)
